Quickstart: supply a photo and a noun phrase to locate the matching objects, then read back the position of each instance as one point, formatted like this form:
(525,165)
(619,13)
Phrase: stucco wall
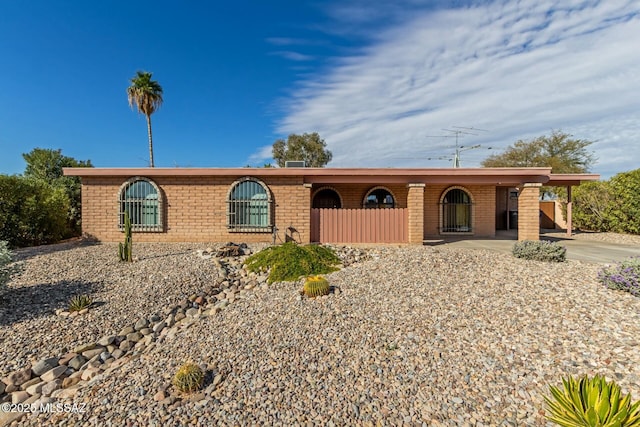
(194,209)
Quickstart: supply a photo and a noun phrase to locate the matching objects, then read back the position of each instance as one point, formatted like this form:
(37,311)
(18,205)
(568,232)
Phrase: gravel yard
(415,336)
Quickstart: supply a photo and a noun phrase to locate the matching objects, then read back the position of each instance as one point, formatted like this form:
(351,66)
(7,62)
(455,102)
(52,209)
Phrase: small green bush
(8,268)
(591,402)
(79,302)
(539,250)
(624,276)
(290,261)
(189,378)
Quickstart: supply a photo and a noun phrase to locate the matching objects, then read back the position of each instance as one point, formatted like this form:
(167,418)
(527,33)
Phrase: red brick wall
(353,194)
(415,202)
(194,209)
(483,210)
(529,212)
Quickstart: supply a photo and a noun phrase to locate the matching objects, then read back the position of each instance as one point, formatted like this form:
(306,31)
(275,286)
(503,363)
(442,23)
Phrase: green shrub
(8,268)
(290,261)
(316,286)
(79,302)
(591,402)
(539,250)
(592,206)
(32,212)
(189,378)
(624,276)
(612,205)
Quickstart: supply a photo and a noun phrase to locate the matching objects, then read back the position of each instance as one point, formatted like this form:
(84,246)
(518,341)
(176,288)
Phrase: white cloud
(292,56)
(518,69)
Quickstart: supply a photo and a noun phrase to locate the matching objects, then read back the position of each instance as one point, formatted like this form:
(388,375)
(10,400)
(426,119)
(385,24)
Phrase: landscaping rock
(36,388)
(134,337)
(77,362)
(44,365)
(19,396)
(90,354)
(51,386)
(53,373)
(18,378)
(85,347)
(141,324)
(64,360)
(106,340)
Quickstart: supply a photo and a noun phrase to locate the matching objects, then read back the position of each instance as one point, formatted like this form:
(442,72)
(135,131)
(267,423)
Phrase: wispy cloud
(518,69)
(292,56)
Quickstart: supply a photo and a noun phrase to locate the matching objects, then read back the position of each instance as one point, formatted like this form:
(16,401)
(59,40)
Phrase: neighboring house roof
(497,176)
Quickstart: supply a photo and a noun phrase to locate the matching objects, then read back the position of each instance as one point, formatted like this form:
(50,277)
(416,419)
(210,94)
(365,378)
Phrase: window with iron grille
(249,207)
(456,211)
(379,197)
(142,200)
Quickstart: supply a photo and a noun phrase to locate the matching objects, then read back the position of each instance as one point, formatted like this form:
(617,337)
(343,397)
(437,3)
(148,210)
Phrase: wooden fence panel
(359,225)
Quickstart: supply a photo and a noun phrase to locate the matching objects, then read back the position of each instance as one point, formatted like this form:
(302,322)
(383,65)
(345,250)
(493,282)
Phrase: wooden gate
(359,225)
(548,214)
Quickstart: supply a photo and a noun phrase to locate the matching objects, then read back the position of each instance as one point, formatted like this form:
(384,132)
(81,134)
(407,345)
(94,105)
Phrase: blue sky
(377,82)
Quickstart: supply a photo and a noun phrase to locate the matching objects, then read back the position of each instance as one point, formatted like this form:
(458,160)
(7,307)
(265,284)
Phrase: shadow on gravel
(22,254)
(28,302)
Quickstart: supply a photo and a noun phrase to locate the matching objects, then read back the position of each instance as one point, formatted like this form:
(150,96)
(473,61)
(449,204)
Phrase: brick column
(305,213)
(415,206)
(529,212)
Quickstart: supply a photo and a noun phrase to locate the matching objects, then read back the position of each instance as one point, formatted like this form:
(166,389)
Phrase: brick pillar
(529,212)
(305,213)
(415,206)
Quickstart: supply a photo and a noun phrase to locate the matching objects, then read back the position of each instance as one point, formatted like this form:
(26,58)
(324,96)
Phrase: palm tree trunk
(150,140)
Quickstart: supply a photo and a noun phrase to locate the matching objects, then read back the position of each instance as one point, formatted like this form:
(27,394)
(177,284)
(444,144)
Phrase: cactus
(592,402)
(124,249)
(189,378)
(79,302)
(316,286)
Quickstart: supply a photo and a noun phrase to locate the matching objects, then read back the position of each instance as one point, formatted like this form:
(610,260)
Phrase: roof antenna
(459,132)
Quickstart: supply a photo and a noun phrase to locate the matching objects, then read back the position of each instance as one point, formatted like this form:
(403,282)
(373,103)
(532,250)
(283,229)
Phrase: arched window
(456,211)
(249,206)
(379,197)
(142,200)
(327,198)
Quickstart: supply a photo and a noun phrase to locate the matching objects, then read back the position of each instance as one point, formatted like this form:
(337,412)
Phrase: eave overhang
(468,176)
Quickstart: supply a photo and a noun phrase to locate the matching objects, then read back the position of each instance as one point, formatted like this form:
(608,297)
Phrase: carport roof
(494,176)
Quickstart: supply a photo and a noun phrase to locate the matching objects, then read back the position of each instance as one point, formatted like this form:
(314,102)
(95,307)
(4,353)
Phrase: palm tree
(146,96)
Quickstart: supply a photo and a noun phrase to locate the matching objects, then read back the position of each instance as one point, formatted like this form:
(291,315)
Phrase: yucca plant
(189,378)
(79,302)
(316,286)
(591,402)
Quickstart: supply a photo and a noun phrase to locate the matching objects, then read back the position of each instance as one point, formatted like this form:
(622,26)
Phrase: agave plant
(592,402)
(316,286)
(79,302)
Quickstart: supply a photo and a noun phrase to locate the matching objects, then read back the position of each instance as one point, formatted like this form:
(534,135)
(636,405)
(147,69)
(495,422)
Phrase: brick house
(339,205)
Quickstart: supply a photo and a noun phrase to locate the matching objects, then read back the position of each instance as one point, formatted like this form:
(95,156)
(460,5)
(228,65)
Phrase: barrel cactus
(189,378)
(316,286)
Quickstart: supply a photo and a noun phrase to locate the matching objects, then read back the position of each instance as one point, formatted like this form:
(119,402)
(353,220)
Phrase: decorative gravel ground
(415,336)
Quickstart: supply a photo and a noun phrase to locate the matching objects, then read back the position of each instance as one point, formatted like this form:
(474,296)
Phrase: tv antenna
(458,132)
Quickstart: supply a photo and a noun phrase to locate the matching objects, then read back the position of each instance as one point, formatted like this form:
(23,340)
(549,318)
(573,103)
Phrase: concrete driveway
(577,249)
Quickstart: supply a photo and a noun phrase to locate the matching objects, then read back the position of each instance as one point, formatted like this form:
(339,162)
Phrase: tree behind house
(46,165)
(559,151)
(145,95)
(308,147)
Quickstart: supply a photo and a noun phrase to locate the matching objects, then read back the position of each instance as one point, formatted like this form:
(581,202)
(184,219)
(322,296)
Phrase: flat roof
(497,176)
